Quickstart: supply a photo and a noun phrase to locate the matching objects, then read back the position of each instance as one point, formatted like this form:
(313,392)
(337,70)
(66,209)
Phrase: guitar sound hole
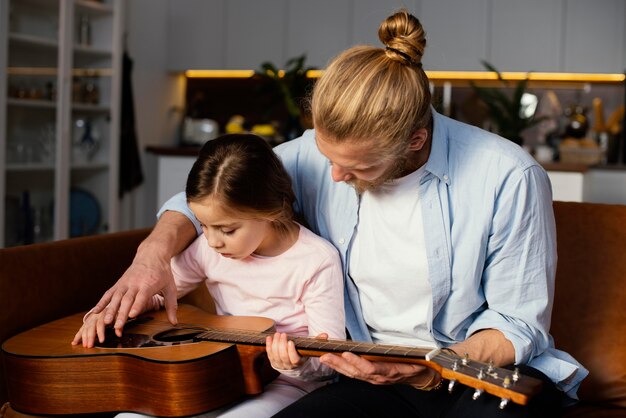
(177,335)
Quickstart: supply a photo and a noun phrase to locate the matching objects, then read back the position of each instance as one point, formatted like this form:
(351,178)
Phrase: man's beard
(393,172)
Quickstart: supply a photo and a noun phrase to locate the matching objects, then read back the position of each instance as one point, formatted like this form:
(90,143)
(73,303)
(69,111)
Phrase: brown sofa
(43,282)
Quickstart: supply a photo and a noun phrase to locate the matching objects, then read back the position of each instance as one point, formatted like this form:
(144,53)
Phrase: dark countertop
(190,151)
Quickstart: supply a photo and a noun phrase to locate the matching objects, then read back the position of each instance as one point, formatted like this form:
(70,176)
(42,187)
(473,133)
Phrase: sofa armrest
(43,282)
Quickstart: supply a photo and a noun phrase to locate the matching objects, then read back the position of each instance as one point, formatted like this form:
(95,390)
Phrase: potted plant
(507,111)
(288,88)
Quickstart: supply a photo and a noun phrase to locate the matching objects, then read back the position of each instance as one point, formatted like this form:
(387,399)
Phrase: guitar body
(154,368)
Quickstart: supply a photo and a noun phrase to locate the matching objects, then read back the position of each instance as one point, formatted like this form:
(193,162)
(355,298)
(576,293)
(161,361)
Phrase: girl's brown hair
(245,175)
(377,93)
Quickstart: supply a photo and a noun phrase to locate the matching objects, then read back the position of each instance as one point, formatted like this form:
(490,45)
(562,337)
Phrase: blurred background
(104,103)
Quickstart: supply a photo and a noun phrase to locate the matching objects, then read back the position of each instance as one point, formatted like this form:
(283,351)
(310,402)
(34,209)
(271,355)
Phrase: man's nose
(340,174)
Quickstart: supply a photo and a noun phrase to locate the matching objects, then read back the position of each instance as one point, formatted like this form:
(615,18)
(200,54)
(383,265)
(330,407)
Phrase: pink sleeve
(323,301)
(188,267)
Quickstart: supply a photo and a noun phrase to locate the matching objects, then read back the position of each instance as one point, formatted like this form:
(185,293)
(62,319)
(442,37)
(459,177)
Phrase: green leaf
(291,86)
(504,106)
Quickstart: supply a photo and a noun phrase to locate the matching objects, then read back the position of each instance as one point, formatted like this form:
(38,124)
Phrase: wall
(158,97)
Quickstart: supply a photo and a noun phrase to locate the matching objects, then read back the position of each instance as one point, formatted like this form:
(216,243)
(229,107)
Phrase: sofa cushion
(589,316)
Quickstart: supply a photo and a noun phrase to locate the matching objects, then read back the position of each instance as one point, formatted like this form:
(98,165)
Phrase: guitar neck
(506,384)
(314,345)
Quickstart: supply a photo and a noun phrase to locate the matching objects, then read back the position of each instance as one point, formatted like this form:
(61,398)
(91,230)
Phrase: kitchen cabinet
(594,38)
(255,32)
(241,34)
(532,35)
(456,34)
(59,123)
(526,35)
(195,33)
(600,184)
(319,29)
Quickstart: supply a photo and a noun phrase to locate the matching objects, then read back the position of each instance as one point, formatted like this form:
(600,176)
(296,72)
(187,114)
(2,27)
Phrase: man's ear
(418,139)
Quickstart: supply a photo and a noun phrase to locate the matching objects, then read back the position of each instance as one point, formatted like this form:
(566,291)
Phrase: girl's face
(231,234)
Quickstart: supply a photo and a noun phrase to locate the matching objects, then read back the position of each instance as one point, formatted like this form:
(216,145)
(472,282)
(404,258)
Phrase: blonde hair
(376,93)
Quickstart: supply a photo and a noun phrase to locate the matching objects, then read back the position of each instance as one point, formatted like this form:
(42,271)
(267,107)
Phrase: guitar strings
(497,374)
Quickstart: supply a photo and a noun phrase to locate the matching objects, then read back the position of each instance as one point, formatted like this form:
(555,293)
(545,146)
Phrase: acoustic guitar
(203,363)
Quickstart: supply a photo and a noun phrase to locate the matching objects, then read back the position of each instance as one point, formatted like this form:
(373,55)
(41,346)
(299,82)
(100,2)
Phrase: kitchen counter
(570,182)
(190,151)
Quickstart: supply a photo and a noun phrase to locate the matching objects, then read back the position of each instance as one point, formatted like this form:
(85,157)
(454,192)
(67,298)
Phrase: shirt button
(445,177)
(341,241)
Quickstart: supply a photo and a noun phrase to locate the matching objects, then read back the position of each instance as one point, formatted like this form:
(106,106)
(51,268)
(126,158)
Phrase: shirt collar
(437,163)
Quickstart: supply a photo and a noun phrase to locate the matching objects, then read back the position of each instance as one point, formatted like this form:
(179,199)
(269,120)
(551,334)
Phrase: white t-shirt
(389,266)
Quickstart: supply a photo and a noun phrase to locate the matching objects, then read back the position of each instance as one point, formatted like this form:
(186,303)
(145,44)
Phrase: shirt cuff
(178,203)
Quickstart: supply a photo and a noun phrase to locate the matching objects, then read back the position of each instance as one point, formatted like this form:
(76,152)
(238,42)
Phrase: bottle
(614,129)
(91,91)
(84,31)
(577,124)
(600,133)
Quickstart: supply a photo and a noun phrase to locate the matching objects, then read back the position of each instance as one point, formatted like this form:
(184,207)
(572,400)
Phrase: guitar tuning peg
(455,365)
(451,385)
(465,359)
(506,382)
(490,366)
(503,403)
(515,376)
(477,394)
(481,374)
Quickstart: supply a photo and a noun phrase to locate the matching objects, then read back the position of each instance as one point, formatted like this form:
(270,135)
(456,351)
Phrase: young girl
(255,260)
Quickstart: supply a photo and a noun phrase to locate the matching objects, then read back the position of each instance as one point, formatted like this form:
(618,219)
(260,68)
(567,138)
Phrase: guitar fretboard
(307,343)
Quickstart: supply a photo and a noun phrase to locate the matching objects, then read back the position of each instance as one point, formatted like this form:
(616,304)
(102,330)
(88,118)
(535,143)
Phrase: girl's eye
(228,232)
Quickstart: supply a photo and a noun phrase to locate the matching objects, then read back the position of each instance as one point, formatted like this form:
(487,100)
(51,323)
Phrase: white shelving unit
(59,118)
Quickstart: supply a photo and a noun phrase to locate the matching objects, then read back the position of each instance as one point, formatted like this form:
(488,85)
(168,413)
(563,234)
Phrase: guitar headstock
(508,385)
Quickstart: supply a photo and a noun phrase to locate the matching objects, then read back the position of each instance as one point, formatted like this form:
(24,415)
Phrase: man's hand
(132,294)
(380,373)
(149,274)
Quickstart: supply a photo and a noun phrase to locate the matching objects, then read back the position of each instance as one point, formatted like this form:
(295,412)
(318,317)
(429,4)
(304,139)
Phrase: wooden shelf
(33,40)
(93,7)
(33,103)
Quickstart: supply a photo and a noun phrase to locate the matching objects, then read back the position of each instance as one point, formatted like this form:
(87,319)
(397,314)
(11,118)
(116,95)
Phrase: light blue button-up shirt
(490,239)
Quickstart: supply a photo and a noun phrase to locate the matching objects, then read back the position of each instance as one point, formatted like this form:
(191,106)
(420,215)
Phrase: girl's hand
(281,352)
(94,325)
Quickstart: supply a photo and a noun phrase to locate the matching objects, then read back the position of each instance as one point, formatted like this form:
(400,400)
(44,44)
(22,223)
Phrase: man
(446,234)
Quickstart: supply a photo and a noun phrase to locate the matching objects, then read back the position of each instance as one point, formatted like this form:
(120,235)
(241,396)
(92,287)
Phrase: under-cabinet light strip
(432,75)
(446,75)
